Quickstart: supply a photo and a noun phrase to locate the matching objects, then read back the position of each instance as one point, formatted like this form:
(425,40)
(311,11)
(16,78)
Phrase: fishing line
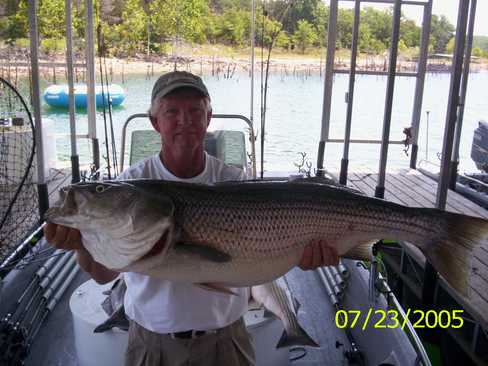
(99,41)
(264,88)
(114,149)
(39,259)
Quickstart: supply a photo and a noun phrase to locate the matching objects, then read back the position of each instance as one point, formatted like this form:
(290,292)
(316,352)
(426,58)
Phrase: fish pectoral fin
(216,288)
(203,251)
(362,252)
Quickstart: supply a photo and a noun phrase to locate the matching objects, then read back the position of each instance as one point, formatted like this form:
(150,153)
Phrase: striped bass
(247,233)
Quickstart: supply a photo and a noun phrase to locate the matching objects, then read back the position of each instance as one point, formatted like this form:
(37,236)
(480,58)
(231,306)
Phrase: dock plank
(412,188)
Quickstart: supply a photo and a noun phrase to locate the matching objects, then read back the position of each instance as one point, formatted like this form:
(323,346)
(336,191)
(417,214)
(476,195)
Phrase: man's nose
(184,117)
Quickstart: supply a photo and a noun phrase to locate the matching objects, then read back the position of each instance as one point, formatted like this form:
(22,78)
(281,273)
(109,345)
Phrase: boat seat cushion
(228,146)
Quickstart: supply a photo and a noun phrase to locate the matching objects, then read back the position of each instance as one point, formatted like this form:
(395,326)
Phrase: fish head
(120,222)
(80,203)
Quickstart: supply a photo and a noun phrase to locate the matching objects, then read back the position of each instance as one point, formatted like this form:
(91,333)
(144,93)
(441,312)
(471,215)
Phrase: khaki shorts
(229,346)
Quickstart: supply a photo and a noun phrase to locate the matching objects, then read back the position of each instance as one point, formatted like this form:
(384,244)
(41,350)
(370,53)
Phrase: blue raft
(57,95)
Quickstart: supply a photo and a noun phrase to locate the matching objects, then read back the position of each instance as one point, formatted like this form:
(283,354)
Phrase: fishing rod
(262,91)
(264,88)
(334,290)
(100,46)
(112,136)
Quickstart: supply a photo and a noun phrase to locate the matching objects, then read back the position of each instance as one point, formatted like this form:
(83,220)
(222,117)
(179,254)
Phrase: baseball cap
(174,80)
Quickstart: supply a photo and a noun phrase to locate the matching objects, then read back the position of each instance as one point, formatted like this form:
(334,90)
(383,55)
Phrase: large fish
(278,300)
(248,233)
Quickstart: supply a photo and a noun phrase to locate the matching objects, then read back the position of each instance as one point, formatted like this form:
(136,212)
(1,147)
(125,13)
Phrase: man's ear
(209,117)
(154,122)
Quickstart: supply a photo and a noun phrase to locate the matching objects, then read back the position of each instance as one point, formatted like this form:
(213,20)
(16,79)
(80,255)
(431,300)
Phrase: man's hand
(318,254)
(63,237)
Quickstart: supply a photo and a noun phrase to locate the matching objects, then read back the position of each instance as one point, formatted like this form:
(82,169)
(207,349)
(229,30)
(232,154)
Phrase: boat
(58,95)
(472,185)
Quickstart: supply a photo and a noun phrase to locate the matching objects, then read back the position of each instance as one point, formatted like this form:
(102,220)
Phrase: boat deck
(412,188)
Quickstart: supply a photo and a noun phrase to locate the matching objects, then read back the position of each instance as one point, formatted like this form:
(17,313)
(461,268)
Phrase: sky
(448,8)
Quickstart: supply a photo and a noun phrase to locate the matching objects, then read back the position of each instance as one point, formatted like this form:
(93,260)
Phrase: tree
(379,24)
(233,27)
(321,22)
(174,18)
(477,52)
(51,17)
(131,34)
(441,32)
(409,33)
(450,45)
(344,28)
(305,35)
(266,29)
(17,25)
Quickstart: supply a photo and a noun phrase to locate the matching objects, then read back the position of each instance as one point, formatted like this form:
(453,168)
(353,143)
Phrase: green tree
(379,24)
(305,35)
(266,29)
(344,28)
(409,33)
(300,10)
(321,16)
(17,24)
(450,45)
(174,18)
(441,32)
(477,52)
(51,15)
(131,34)
(233,27)
(481,42)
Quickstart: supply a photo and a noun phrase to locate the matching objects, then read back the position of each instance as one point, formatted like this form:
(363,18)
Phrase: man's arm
(63,237)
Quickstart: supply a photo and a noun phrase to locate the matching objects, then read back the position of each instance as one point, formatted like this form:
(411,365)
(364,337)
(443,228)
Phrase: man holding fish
(176,323)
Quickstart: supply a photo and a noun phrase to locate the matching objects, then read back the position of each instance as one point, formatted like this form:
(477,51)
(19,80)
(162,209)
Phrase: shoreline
(53,68)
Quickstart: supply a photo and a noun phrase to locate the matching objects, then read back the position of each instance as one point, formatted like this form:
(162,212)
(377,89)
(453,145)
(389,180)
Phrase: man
(174,323)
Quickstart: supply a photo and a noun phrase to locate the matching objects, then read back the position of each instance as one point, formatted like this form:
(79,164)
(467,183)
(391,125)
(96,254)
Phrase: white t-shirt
(167,307)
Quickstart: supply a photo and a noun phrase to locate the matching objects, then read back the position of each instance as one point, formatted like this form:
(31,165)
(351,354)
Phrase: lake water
(294,116)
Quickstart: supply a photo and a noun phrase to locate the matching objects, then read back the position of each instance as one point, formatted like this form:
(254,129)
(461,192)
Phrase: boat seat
(228,146)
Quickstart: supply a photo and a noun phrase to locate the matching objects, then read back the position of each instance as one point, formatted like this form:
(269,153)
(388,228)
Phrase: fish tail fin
(452,256)
(301,338)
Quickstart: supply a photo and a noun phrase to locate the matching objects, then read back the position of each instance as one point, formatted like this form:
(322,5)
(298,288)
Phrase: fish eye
(99,189)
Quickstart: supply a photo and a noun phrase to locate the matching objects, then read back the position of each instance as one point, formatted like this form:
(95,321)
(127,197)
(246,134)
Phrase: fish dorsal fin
(203,251)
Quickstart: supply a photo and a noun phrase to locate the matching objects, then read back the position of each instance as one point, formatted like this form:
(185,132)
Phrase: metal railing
(252,137)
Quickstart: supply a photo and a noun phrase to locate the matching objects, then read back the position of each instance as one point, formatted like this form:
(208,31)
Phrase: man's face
(182,120)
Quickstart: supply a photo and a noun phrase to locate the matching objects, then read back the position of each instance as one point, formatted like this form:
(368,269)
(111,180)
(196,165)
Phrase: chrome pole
(462,98)
(251,117)
(350,93)
(453,104)
(419,85)
(329,78)
(430,274)
(36,104)
(75,163)
(90,83)
(380,186)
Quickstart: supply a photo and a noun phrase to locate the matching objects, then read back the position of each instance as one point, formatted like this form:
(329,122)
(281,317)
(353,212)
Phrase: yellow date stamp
(388,319)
